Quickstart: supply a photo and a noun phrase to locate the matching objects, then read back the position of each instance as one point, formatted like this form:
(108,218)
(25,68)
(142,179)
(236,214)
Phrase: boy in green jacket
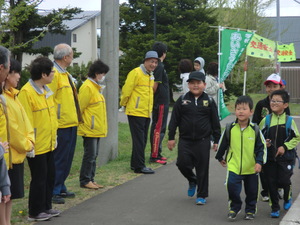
(245,155)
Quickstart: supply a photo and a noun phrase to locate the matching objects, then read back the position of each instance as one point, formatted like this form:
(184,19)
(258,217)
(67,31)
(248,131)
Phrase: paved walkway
(161,199)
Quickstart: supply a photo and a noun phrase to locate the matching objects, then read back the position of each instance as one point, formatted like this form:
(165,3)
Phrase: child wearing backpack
(282,136)
(245,150)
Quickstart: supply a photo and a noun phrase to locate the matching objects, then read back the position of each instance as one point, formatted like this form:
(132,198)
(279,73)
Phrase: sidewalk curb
(292,217)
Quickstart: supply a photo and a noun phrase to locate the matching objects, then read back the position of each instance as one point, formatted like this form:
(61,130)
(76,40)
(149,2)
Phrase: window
(74,38)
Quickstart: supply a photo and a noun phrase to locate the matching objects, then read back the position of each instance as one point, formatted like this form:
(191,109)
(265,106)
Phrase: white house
(81,34)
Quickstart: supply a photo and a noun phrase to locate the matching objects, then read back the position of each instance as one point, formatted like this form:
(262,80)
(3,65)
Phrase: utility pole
(109,52)
(154,20)
(278,64)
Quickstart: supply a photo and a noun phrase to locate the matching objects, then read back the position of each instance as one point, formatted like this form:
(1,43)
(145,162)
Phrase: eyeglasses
(273,101)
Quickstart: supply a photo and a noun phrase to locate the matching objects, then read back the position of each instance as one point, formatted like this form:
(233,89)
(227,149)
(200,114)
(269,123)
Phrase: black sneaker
(232,215)
(67,194)
(57,199)
(40,217)
(249,216)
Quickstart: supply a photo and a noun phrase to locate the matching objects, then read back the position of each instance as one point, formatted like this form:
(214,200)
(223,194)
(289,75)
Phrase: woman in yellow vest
(94,126)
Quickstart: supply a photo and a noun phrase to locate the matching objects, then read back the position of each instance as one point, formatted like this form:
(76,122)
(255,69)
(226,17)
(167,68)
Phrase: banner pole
(245,74)
(219,68)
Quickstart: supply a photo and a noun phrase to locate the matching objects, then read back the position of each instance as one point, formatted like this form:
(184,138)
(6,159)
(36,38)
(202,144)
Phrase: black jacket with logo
(196,118)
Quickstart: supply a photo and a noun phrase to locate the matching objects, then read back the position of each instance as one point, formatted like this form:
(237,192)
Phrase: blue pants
(234,187)
(88,166)
(63,157)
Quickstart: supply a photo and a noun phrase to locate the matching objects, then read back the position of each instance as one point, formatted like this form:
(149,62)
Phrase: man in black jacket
(196,115)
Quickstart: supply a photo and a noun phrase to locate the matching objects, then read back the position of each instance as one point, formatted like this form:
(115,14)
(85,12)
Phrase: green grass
(114,173)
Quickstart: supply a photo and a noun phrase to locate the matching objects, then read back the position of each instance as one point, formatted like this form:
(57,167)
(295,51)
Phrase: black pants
(42,183)
(158,129)
(278,175)
(139,127)
(234,188)
(195,154)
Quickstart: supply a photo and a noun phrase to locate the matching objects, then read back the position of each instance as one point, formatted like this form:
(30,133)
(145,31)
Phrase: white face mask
(102,79)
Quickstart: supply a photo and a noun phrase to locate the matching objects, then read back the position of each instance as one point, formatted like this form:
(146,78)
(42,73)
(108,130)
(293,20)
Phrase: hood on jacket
(202,63)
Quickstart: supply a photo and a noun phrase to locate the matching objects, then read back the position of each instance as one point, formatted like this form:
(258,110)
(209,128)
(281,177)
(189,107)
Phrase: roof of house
(290,31)
(80,19)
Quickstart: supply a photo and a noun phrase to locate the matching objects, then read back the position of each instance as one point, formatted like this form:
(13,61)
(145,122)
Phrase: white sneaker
(265,198)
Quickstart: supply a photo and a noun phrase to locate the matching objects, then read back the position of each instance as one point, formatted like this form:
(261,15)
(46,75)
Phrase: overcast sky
(287,7)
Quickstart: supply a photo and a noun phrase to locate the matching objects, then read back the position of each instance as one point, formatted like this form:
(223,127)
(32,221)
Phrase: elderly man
(68,116)
(137,97)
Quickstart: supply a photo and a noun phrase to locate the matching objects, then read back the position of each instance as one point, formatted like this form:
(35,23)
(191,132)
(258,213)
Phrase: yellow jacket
(93,108)
(40,110)
(20,129)
(3,131)
(63,98)
(137,93)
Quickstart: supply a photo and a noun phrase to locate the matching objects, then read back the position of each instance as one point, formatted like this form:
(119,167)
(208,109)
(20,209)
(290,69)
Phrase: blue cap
(151,55)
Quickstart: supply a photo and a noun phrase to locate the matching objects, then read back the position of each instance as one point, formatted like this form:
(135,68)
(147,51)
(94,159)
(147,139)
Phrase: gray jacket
(4,179)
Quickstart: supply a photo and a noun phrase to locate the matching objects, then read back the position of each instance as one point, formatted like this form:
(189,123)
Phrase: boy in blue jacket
(245,150)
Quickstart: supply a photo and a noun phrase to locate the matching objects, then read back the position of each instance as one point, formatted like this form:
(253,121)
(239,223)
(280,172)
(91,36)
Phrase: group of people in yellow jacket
(39,118)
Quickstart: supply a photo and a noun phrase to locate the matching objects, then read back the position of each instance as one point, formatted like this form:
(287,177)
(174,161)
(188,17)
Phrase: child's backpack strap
(288,125)
(227,131)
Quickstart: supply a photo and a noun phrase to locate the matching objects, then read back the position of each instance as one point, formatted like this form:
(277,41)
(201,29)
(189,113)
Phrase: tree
(245,15)
(22,25)
(184,25)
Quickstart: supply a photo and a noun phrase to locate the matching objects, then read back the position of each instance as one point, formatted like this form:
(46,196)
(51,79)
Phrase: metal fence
(292,77)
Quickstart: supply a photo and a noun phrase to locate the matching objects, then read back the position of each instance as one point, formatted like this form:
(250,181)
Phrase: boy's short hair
(284,95)
(98,67)
(160,48)
(244,99)
(39,66)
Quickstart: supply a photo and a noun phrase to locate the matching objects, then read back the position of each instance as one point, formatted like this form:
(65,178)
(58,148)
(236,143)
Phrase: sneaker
(249,216)
(192,189)
(67,194)
(163,158)
(200,201)
(40,217)
(53,212)
(265,198)
(90,185)
(232,215)
(158,161)
(287,205)
(57,199)
(275,214)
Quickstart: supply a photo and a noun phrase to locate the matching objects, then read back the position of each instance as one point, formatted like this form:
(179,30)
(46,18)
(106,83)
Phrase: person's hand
(280,151)
(221,85)
(6,198)
(268,142)
(257,168)
(223,163)
(215,147)
(5,145)
(171,144)
(31,154)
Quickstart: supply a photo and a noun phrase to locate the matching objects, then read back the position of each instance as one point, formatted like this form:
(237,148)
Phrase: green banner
(286,53)
(233,44)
